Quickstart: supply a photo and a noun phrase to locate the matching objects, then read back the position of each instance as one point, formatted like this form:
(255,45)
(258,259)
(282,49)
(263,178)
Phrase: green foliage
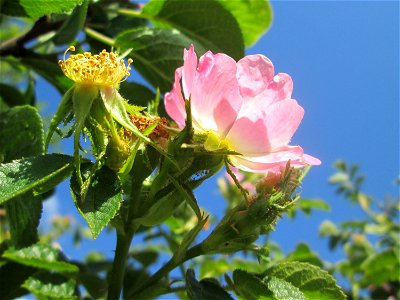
(38,174)
(283,289)
(205,22)
(368,265)
(53,286)
(154,181)
(21,133)
(102,200)
(41,256)
(309,281)
(74,23)
(204,289)
(249,286)
(156,53)
(36,9)
(254,17)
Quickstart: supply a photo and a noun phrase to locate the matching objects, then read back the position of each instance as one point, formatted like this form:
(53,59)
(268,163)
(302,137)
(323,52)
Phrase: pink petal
(215,94)
(281,87)
(275,160)
(254,73)
(261,130)
(311,160)
(189,70)
(174,103)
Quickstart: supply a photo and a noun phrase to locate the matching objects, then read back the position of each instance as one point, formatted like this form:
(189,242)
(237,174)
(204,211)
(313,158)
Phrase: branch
(16,46)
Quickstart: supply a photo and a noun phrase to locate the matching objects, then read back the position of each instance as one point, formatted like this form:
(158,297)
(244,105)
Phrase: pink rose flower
(242,107)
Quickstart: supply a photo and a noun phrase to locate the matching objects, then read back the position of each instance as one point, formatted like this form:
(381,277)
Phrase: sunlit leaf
(40,256)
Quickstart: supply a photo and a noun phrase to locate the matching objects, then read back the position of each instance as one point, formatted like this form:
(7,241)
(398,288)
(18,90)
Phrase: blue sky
(344,61)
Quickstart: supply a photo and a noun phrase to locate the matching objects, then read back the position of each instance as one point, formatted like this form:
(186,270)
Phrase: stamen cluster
(103,69)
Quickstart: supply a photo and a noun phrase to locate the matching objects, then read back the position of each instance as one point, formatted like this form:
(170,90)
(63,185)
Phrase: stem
(169,266)
(118,270)
(98,36)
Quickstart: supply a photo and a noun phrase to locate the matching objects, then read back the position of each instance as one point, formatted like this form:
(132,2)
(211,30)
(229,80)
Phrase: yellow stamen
(104,69)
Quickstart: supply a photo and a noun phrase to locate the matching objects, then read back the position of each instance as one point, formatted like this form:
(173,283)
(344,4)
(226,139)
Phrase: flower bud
(269,183)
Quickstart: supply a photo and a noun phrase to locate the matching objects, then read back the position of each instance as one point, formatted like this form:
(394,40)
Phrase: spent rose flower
(242,107)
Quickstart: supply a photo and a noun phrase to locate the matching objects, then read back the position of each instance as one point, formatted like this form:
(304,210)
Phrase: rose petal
(174,103)
(254,73)
(189,70)
(273,161)
(261,130)
(215,97)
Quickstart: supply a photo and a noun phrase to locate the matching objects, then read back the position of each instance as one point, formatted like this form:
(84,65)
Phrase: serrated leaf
(206,22)
(156,53)
(253,16)
(39,174)
(40,256)
(249,286)
(21,133)
(53,286)
(284,290)
(205,289)
(312,281)
(38,8)
(72,25)
(102,200)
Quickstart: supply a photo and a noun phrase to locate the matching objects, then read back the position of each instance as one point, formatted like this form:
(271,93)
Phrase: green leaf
(23,216)
(12,275)
(146,257)
(380,268)
(52,286)
(21,133)
(156,53)
(328,228)
(303,253)
(249,286)
(41,256)
(207,22)
(205,289)
(63,110)
(284,290)
(72,25)
(39,8)
(12,8)
(136,93)
(310,280)
(49,71)
(253,16)
(39,174)
(307,205)
(11,96)
(102,200)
